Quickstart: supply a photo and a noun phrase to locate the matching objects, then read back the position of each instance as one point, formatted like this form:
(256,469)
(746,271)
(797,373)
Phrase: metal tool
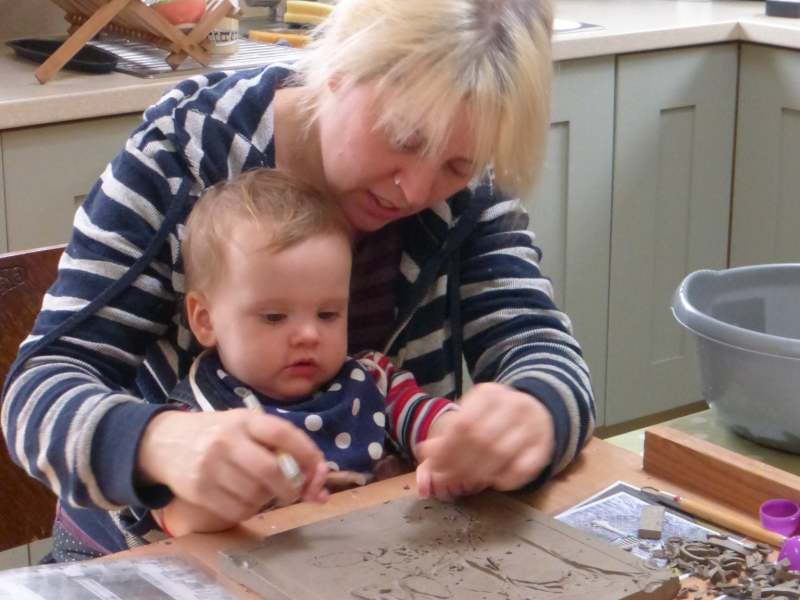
(286,462)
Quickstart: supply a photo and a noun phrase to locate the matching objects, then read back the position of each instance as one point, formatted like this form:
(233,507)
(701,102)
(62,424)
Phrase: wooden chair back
(27,507)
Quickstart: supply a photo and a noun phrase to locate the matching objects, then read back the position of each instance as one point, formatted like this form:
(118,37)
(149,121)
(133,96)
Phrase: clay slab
(481,548)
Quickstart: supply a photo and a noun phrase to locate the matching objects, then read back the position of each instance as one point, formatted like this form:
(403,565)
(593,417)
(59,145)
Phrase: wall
(26,18)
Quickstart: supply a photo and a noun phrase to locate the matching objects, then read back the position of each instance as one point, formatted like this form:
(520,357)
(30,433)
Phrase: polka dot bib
(346,419)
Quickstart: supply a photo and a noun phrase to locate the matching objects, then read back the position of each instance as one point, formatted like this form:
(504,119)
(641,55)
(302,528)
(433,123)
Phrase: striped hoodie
(109,344)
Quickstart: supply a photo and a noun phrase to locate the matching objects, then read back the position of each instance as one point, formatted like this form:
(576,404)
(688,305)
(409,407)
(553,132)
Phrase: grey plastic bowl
(746,324)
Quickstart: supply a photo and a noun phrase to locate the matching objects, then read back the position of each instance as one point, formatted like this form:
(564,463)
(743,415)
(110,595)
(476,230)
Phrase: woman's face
(375,179)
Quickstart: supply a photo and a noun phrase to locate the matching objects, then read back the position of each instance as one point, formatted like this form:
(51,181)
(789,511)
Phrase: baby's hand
(499,438)
(314,488)
(434,476)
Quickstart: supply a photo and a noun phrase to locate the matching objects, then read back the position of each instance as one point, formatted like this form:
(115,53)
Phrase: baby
(267,263)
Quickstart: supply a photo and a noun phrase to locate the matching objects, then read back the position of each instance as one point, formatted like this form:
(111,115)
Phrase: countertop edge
(777,34)
(111,102)
(644,40)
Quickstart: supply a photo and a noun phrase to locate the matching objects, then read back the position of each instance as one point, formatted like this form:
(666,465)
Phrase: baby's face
(280,318)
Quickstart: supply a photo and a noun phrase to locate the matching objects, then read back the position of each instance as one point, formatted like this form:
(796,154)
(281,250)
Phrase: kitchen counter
(641,25)
(628,26)
(70,95)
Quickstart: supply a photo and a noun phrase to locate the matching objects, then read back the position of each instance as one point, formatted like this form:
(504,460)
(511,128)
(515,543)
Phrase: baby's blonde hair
(290,212)
(428,56)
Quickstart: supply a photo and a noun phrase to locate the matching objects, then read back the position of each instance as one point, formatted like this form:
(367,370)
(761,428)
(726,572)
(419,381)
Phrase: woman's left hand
(499,437)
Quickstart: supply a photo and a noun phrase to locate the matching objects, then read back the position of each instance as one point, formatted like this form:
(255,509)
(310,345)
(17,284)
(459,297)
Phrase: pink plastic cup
(780,516)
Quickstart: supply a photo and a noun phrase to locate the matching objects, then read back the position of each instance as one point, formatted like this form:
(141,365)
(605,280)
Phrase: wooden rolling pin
(301,12)
(718,516)
(303,7)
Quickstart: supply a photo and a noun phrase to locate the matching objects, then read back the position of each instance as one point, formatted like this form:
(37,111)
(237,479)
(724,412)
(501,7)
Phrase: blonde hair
(291,212)
(429,56)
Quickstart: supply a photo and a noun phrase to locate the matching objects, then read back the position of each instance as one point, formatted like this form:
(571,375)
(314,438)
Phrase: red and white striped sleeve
(410,411)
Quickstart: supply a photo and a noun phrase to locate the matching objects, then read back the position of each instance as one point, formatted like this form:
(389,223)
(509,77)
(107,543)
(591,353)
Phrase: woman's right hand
(225,462)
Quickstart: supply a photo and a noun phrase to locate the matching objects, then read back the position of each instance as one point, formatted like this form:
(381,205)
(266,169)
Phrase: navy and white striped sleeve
(69,416)
(514,334)
(67,413)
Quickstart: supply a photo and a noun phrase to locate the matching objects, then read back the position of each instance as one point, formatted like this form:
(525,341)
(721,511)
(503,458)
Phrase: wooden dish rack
(134,20)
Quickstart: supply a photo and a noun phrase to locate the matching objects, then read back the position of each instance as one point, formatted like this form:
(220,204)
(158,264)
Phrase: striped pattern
(410,411)
(74,413)
(376,261)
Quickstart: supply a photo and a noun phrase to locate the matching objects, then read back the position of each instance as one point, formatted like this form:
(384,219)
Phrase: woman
(412,115)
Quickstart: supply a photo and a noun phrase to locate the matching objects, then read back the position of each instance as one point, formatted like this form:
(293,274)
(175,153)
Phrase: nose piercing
(397,181)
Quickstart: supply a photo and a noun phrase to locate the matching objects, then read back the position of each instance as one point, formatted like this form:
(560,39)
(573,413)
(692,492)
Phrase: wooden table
(598,466)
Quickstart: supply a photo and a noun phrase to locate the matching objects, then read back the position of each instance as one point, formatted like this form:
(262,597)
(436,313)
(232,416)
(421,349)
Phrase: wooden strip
(714,472)
(115,29)
(155,23)
(87,8)
(64,5)
(731,520)
(127,20)
(79,39)
(200,31)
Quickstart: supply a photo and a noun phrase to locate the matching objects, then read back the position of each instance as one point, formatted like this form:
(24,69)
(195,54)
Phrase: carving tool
(286,462)
(291,470)
(288,465)
(716,515)
(609,528)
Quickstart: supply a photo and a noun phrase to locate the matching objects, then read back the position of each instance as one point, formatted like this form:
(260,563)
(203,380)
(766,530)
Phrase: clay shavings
(734,569)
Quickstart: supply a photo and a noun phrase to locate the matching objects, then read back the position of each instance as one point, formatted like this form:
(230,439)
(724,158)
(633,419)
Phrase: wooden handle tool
(345,478)
(718,516)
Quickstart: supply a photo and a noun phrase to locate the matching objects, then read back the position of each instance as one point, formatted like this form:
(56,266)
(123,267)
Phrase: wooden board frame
(717,473)
(138,20)
(482,546)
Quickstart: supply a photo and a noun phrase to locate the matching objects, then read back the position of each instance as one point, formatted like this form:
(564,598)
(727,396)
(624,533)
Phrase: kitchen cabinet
(673,155)
(570,210)
(766,190)
(47,171)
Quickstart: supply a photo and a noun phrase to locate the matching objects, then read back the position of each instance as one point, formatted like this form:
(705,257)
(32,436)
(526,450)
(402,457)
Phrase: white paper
(154,578)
